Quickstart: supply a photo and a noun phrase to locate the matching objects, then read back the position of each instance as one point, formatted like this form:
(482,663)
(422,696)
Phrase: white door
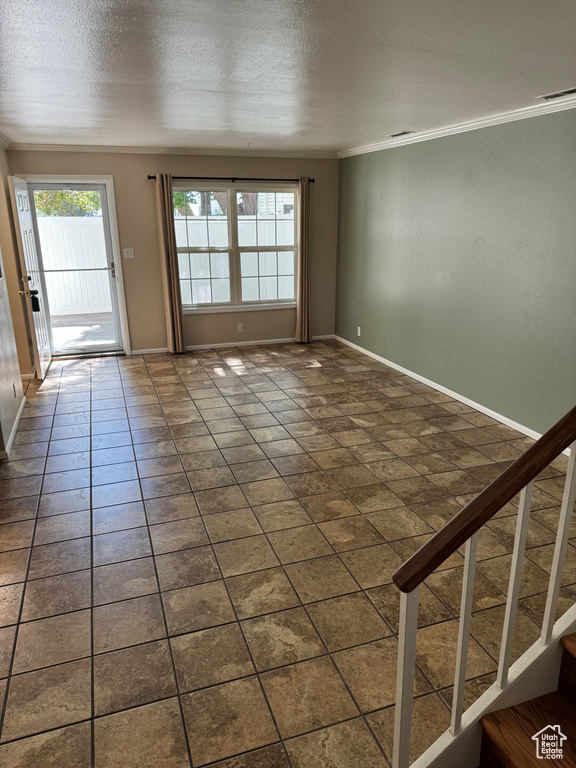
(33,292)
(73,235)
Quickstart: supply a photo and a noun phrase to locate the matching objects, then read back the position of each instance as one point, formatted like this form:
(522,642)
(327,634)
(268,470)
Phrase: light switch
(128,253)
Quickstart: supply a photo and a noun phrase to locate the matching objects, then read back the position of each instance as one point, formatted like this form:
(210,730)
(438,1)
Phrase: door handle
(33,293)
(23,293)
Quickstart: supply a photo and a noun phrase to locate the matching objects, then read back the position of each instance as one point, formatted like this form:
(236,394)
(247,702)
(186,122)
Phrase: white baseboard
(193,347)
(466,400)
(253,343)
(5,453)
(232,344)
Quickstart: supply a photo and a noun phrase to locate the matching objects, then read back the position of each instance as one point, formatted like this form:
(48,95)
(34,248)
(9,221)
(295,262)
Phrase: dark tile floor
(196,556)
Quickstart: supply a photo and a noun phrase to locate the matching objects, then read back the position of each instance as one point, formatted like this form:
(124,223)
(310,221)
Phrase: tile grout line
(256,672)
(241,629)
(282,477)
(4,709)
(92,669)
(328,653)
(160,600)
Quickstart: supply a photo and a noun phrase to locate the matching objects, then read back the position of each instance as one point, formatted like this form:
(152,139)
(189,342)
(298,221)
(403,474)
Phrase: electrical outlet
(358,330)
(128,253)
(240,327)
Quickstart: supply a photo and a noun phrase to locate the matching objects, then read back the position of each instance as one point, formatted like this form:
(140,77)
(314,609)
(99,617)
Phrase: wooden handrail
(470,519)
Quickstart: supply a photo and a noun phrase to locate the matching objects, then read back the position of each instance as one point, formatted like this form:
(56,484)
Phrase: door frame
(118,345)
(108,181)
(20,201)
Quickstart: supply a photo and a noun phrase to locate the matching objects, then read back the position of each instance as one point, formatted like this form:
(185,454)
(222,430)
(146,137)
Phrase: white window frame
(234,249)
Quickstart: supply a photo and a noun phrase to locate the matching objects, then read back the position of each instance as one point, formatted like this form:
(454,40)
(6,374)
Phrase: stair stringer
(534,674)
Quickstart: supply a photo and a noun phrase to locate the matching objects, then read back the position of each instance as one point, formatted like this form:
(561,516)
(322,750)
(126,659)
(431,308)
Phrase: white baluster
(562,536)
(514,584)
(405,677)
(464,632)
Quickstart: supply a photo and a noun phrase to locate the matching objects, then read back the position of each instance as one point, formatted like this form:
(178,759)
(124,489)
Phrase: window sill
(242,308)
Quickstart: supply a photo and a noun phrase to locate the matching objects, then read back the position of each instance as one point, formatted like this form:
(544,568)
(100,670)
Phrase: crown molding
(294,154)
(483,122)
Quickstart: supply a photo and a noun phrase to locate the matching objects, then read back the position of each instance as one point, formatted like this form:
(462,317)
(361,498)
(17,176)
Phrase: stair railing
(462,529)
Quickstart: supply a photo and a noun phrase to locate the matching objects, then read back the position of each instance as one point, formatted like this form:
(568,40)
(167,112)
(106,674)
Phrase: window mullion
(235,288)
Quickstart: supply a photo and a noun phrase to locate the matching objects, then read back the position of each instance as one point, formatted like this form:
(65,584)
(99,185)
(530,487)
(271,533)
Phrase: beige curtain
(169,259)
(303,330)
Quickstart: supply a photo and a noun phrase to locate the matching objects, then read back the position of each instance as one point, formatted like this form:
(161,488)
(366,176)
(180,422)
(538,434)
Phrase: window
(236,246)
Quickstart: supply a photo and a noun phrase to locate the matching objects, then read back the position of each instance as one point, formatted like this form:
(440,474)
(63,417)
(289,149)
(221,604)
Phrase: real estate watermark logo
(549,743)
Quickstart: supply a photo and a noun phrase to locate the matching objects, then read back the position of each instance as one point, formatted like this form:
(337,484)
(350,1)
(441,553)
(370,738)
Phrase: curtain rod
(224,178)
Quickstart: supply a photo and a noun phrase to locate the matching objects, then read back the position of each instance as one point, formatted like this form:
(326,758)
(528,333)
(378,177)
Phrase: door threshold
(85,355)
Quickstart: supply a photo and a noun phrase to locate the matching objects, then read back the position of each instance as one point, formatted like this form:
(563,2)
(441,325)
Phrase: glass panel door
(74,237)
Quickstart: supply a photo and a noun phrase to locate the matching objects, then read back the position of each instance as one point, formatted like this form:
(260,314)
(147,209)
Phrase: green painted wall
(457,257)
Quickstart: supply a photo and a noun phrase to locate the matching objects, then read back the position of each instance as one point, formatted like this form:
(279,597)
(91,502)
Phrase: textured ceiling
(272,75)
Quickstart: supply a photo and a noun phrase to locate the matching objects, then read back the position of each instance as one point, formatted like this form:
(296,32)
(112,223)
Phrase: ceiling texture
(277,76)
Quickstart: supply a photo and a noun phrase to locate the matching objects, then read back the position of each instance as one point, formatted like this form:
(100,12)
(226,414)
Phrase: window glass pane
(250,289)
(218,231)
(285,232)
(266,205)
(220,264)
(268,288)
(285,205)
(181,233)
(197,232)
(246,230)
(186,291)
(192,204)
(201,292)
(183,265)
(179,199)
(266,232)
(200,265)
(249,264)
(217,219)
(203,200)
(220,291)
(196,225)
(246,206)
(286,287)
(247,203)
(218,203)
(285,262)
(267,263)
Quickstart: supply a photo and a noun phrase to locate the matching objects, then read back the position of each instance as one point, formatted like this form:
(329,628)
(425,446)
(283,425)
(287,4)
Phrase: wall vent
(558,94)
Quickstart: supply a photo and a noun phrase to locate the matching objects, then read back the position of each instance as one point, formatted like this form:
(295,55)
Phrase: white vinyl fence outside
(213,231)
(75,243)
